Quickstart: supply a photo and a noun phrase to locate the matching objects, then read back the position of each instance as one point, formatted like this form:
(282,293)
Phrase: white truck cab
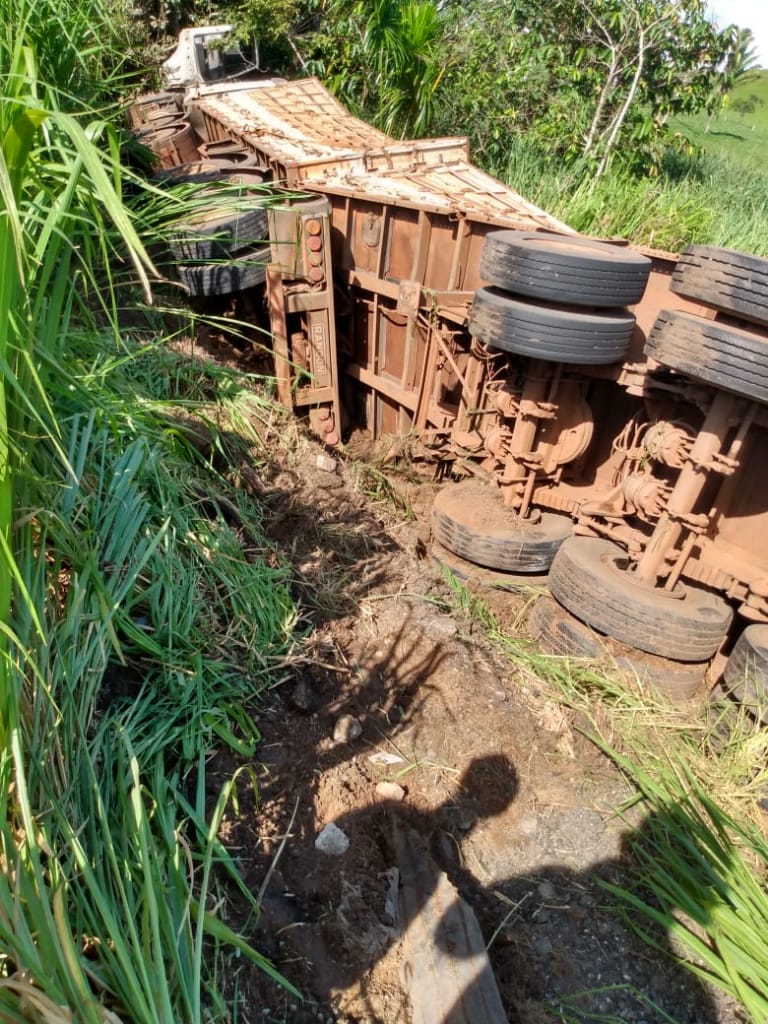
(208,60)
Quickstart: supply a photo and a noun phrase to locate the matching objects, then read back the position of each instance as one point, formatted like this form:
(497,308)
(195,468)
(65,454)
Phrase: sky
(747,14)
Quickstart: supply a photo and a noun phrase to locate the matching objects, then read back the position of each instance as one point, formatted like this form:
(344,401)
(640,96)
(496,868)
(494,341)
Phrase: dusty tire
(725,279)
(557,632)
(470,520)
(226,153)
(247,271)
(199,172)
(546,332)
(560,633)
(570,270)
(715,353)
(219,236)
(746,671)
(203,172)
(678,680)
(587,577)
(469,572)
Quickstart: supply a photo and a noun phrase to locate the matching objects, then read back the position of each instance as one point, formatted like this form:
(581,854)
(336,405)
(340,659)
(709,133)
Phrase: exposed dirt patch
(507,797)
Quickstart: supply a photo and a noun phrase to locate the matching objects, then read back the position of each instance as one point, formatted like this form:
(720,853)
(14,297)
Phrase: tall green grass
(160,625)
(700,880)
(141,609)
(692,200)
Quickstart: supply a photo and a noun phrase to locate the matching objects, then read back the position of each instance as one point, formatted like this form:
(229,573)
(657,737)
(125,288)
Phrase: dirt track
(508,797)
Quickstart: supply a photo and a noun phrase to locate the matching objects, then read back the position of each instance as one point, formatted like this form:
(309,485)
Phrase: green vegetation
(590,123)
(139,615)
(623,119)
(697,880)
(708,200)
(733,131)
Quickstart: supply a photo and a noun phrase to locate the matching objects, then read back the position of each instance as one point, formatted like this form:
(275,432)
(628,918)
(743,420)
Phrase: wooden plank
(447,973)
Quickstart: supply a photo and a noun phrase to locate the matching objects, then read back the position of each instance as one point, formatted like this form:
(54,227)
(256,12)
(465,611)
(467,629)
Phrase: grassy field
(739,134)
(710,189)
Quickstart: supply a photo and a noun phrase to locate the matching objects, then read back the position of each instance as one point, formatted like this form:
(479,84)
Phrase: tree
(746,105)
(742,62)
(740,65)
(383,58)
(604,72)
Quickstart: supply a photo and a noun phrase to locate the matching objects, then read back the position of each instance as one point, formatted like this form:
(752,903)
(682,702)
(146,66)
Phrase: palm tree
(383,58)
(741,65)
(742,62)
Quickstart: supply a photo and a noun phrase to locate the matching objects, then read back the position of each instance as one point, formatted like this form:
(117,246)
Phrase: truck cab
(208,55)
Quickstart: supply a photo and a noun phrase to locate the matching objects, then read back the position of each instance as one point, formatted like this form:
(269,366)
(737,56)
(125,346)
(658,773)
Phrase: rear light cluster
(314,255)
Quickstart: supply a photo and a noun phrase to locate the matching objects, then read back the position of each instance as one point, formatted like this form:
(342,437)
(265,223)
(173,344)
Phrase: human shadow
(584,946)
(560,944)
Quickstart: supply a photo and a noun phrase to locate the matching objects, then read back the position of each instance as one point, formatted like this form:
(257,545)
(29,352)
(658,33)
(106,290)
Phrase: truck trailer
(597,412)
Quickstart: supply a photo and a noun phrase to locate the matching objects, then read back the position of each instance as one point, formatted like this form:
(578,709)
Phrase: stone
(347,728)
(332,841)
(390,791)
(547,891)
(304,697)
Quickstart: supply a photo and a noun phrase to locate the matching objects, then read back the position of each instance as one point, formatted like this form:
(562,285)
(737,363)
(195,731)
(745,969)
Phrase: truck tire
(725,279)
(546,332)
(219,236)
(196,173)
(477,575)
(715,353)
(679,681)
(202,172)
(746,671)
(470,520)
(226,153)
(247,271)
(559,633)
(589,579)
(570,270)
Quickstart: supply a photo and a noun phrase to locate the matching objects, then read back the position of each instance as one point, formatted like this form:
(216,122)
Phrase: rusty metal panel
(456,190)
(404,231)
(366,237)
(299,120)
(741,523)
(446,235)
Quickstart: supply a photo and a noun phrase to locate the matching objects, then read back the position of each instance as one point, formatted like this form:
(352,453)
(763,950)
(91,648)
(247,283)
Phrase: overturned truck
(598,413)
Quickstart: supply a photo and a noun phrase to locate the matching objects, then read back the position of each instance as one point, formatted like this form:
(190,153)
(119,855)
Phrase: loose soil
(509,798)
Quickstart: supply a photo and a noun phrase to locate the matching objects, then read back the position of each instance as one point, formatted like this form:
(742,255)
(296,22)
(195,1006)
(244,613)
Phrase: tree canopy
(593,80)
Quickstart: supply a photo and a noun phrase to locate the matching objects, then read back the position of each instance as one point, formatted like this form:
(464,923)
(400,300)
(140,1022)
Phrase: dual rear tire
(540,285)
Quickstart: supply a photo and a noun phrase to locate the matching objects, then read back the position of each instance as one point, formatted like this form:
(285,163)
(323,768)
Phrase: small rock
(547,891)
(390,791)
(332,841)
(347,728)
(326,463)
(304,697)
